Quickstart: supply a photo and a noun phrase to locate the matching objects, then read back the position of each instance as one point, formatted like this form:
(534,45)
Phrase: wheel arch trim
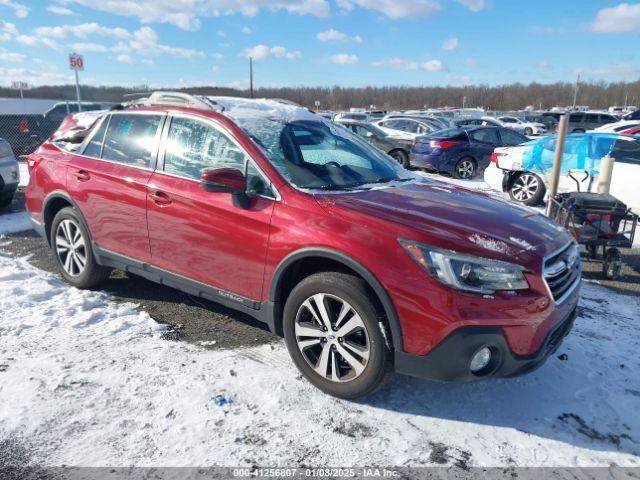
(61,194)
(345,259)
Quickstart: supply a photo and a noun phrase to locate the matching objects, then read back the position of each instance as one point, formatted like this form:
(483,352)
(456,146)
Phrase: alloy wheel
(332,337)
(525,187)
(71,247)
(466,169)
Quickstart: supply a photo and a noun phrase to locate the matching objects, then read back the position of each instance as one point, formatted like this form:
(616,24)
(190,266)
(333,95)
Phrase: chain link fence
(25,132)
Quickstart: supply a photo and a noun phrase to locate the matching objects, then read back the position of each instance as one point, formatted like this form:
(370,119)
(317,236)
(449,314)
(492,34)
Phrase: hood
(457,218)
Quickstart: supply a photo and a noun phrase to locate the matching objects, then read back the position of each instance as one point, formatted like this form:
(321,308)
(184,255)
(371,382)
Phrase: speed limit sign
(76,62)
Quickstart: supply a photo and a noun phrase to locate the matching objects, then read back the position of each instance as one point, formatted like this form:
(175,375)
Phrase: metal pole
(575,92)
(606,172)
(251,76)
(78,92)
(557,159)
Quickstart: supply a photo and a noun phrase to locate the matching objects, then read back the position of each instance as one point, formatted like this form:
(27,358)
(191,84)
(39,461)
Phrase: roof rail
(179,99)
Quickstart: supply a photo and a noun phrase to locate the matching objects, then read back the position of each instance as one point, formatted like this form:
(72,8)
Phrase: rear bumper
(494,177)
(449,361)
(431,162)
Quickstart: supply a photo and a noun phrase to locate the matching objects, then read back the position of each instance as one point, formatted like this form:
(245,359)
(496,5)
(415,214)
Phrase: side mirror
(223,180)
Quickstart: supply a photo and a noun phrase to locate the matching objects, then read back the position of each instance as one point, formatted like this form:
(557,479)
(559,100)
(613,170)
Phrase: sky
(173,43)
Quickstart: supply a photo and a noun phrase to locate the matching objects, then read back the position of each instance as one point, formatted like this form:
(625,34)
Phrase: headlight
(466,272)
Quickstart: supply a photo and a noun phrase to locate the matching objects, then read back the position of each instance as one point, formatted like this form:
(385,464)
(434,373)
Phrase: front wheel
(527,188)
(333,333)
(71,247)
(528,132)
(465,169)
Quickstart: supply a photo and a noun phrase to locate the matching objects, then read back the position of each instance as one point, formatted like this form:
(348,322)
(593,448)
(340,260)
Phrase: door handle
(160,198)
(82,175)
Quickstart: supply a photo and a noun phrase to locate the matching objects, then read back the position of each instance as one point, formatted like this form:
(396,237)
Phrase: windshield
(320,155)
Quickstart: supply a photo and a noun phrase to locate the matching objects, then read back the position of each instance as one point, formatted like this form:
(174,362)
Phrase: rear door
(483,141)
(108,181)
(201,235)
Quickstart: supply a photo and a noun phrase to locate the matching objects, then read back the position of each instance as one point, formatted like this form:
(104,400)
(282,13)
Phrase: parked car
(507,173)
(550,122)
(617,127)
(635,115)
(461,152)
(405,127)
(397,148)
(9,173)
(523,126)
(580,122)
(631,131)
(435,121)
(273,211)
(362,116)
(483,122)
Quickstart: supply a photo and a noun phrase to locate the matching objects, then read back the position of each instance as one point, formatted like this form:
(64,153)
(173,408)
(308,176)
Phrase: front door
(108,182)
(205,236)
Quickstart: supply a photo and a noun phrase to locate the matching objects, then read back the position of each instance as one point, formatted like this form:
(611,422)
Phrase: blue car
(461,152)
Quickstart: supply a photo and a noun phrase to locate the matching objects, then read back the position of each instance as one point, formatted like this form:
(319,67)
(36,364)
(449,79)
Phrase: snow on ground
(86,381)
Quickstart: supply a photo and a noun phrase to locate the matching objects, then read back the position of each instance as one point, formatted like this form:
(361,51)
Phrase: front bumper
(449,361)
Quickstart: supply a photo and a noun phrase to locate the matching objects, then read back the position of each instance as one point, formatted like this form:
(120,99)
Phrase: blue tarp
(582,151)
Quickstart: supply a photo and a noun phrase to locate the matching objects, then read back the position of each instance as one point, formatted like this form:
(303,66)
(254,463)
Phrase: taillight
(495,156)
(443,143)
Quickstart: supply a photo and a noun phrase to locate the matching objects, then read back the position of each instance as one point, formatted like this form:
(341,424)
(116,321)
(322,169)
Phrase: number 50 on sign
(76,62)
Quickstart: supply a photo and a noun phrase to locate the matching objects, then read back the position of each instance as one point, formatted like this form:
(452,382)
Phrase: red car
(262,206)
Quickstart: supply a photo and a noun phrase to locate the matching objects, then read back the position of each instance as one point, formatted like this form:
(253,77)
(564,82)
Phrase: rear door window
(509,137)
(485,135)
(576,117)
(131,139)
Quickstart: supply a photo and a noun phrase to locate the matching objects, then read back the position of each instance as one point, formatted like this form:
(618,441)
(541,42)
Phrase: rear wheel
(333,334)
(401,157)
(528,131)
(465,169)
(527,188)
(71,246)
(578,130)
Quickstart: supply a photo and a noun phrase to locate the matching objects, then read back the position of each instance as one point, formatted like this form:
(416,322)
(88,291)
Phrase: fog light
(480,360)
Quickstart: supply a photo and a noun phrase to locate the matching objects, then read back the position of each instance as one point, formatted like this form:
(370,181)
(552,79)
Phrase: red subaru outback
(265,207)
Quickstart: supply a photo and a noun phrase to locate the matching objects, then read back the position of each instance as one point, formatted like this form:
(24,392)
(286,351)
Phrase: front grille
(561,271)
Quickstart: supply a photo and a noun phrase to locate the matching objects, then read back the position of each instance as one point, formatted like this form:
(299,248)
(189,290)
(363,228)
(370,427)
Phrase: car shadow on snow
(569,399)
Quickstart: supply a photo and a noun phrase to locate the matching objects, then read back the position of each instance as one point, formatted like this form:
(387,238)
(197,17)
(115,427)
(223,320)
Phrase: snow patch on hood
(491,244)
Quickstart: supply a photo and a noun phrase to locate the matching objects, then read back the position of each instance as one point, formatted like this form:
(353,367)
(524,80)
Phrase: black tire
(578,130)
(527,188)
(528,132)
(6,200)
(612,264)
(466,168)
(353,291)
(401,157)
(91,274)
